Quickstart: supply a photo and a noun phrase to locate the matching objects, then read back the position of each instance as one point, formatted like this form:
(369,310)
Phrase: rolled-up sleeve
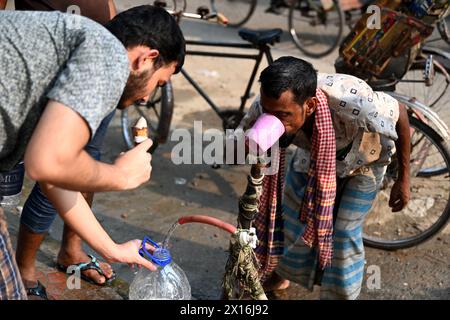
(92,80)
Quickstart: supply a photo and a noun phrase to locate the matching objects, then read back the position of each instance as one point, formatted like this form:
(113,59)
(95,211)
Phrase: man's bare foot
(66,258)
(275,282)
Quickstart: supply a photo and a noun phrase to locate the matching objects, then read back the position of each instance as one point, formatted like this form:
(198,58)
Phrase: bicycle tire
(237,23)
(296,38)
(443,30)
(441,222)
(161,133)
(420,66)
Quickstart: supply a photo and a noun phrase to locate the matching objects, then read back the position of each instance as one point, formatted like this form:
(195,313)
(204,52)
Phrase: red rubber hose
(208,220)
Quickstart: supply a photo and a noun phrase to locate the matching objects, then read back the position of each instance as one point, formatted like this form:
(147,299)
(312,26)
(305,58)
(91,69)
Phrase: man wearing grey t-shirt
(38,213)
(60,75)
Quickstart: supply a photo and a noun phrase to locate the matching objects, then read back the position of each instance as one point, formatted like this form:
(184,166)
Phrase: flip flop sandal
(92,265)
(38,291)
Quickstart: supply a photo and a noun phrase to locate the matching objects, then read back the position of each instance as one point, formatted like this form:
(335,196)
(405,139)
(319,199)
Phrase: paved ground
(422,272)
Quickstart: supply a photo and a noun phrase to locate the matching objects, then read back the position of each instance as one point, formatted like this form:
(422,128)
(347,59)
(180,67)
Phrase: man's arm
(3,4)
(55,154)
(400,190)
(112,9)
(76,213)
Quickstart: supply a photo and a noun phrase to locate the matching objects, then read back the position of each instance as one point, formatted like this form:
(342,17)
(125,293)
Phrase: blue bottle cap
(161,256)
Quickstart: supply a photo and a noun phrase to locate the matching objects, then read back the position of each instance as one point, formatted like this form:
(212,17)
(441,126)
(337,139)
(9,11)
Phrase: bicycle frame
(263,50)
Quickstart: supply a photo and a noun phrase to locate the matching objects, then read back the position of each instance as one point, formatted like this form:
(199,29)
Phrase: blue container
(161,256)
(420,8)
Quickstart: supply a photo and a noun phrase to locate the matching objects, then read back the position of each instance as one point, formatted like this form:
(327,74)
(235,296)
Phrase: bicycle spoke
(156,112)
(429,197)
(315,31)
(236,11)
(436,96)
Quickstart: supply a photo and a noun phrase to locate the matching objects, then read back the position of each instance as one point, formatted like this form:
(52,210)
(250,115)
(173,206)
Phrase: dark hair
(289,73)
(153,27)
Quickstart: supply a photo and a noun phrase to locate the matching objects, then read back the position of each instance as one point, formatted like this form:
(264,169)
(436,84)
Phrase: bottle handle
(146,254)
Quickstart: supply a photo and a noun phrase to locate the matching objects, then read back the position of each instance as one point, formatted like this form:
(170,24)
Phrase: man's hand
(135,165)
(400,194)
(129,253)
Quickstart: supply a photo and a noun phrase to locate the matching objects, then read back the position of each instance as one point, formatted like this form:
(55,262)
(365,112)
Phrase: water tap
(248,237)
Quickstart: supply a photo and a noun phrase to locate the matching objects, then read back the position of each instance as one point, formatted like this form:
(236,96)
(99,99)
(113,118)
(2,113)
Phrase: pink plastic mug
(265,132)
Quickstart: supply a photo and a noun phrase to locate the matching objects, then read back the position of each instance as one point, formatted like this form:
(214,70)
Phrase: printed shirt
(364,122)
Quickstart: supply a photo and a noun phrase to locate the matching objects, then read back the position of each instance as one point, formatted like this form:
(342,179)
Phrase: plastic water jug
(169,282)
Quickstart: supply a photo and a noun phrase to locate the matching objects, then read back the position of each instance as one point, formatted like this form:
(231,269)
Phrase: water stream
(165,243)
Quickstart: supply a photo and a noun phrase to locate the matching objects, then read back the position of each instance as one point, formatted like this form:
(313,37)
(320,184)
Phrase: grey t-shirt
(63,57)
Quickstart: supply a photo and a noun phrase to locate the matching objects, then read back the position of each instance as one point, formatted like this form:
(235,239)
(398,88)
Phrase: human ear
(310,105)
(147,56)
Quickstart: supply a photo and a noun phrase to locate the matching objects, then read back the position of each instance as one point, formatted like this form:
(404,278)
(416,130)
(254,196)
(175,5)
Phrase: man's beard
(136,88)
(286,140)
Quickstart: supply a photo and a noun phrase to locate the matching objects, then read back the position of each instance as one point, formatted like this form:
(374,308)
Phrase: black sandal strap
(38,291)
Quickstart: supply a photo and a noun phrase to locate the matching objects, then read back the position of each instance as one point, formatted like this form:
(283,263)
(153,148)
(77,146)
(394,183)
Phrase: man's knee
(38,213)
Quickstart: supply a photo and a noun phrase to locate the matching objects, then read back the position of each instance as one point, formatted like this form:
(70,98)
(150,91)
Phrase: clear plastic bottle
(169,282)
(11,183)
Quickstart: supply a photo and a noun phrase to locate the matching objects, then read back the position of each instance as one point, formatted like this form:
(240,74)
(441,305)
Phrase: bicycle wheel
(428,210)
(316,30)
(238,12)
(435,96)
(158,113)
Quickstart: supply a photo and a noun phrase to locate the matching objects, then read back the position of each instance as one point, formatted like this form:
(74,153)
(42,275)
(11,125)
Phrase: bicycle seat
(261,37)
